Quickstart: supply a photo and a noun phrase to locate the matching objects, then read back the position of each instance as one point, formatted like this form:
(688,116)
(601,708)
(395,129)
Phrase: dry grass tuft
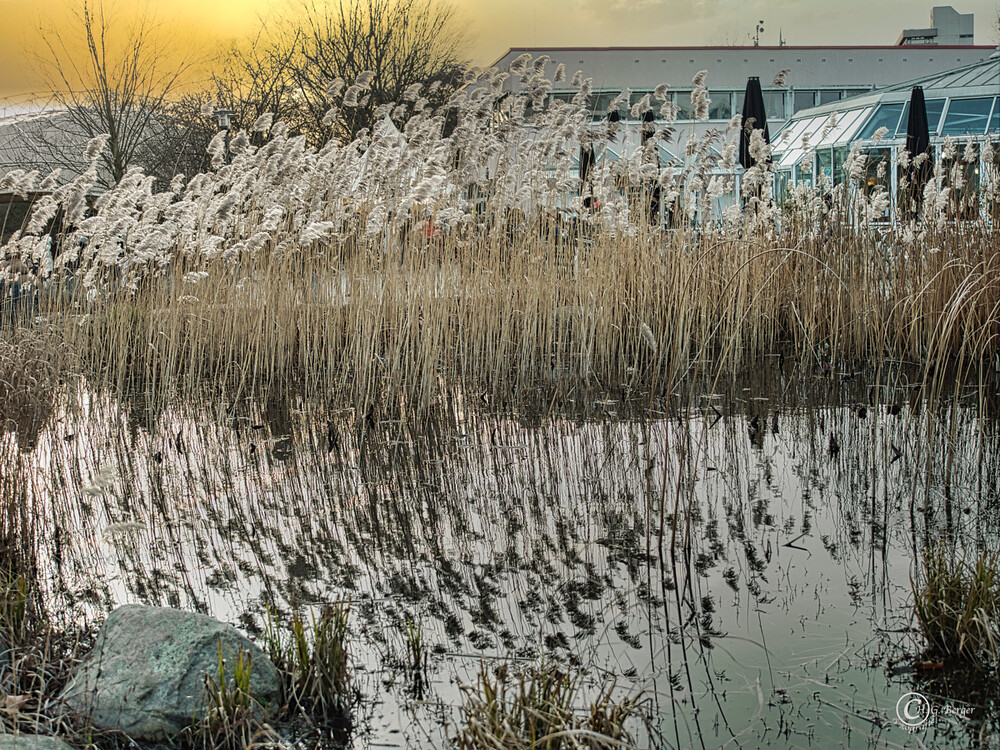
(958,606)
(313,658)
(34,361)
(232,720)
(537,709)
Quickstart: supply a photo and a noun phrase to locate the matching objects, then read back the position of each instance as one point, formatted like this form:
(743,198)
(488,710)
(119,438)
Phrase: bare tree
(119,88)
(258,77)
(402,42)
(192,125)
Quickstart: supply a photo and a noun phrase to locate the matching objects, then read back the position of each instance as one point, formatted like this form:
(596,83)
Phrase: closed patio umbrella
(587,159)
(918,141)
(753,108)
(647,130)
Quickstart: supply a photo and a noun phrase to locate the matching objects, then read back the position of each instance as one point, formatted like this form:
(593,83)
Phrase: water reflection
(742,554)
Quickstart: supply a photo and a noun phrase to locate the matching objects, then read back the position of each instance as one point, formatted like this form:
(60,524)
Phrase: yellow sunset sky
(493,26)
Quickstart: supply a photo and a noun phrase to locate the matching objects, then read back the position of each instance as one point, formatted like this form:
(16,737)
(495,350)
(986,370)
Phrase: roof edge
(786,48)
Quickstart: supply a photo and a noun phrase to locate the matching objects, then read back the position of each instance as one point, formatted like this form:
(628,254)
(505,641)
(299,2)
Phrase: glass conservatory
(963,104)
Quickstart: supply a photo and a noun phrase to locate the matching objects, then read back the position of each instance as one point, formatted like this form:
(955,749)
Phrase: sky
(492,26)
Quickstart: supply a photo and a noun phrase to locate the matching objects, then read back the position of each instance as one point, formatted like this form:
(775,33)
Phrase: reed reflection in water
(744,556)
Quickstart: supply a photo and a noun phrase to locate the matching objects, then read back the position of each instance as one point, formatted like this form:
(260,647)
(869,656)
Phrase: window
(600,103)
(840,154)
(791,157)
(903,119)
(804,172)
(934,109)
(636,98)
(804,100)
(886,116)
(721,107)
(854,92)
(824,162)
(967,116)
(685,110)
(811,131)
(826,97)
(784,184)
(877,173)
(790,136)
(774,105)
(963,179)
(846,126)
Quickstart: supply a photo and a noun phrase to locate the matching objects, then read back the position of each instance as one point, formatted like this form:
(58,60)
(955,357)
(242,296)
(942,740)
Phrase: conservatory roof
(960,102)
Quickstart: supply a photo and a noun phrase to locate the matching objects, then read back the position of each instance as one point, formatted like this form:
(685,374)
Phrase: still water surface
(743,555)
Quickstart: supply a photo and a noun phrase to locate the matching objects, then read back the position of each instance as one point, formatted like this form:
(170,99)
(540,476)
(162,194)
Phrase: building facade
(948,27)
(816,76)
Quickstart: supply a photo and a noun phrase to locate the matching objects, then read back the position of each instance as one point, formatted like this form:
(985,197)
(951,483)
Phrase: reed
(22,615)
(232,720)
(313,658)
(416,647)
(375,332)
(537,710)
(34,361)
(415,261)
(957,603)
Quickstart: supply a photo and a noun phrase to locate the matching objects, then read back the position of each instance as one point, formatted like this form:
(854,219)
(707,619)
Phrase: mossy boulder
(146,673)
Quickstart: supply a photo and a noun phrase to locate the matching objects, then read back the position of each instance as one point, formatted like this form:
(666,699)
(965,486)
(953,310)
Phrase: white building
(948,27)
(817,75)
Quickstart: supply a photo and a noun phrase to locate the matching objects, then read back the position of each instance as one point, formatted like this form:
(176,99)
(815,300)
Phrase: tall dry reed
(458,252)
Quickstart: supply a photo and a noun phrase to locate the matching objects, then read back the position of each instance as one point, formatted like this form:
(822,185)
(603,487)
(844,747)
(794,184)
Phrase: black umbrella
(646,131)
(587,159)
(918,141)
(754,118)
(613,124)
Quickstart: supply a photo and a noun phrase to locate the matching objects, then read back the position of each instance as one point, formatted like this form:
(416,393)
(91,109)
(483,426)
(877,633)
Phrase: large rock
(31,742)
(146,673)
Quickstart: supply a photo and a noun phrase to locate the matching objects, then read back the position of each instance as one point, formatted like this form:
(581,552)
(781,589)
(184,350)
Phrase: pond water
(742,555)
